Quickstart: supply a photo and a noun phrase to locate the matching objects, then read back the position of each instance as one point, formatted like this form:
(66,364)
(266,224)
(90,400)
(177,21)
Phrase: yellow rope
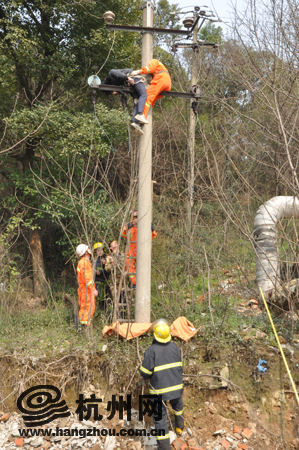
(280,348)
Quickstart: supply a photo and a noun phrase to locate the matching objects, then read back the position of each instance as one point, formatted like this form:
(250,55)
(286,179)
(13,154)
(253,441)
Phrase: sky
(222,8)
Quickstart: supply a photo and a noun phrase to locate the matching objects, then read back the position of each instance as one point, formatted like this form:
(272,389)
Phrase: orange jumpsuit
(161,82)
(85,291)
(132,253)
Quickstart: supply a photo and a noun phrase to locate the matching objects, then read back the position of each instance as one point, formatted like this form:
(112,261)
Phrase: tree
(48,48)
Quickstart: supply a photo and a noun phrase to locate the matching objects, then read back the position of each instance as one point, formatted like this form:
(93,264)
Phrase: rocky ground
(229,403)
(216,432)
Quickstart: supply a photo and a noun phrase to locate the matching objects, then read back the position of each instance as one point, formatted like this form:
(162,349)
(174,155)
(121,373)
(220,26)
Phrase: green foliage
(211,33)
(164,18)
(50,45)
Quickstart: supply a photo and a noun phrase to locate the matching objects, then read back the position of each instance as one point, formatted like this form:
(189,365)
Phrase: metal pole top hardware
(148,3)
(194,93)
(143,29)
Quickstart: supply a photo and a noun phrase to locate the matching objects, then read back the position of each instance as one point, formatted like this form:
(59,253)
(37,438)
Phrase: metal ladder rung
(126,320)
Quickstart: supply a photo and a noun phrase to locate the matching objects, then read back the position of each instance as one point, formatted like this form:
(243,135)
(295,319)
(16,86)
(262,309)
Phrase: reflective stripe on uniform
(143,369)
(178,413)
(147,104)
(168,366)
(159,438)
(78,270)
(147,69)
(88,284)
(169,389)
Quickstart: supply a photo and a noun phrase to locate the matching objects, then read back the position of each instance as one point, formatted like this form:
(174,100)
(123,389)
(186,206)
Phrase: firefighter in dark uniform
(163,365)
(102,277)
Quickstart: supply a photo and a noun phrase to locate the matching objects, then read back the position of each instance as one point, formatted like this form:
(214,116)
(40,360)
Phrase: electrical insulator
(109,17)
(188,22)
(174,48)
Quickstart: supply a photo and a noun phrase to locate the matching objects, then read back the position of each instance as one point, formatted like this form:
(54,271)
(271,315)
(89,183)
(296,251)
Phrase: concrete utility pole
(144,235)
(191,134)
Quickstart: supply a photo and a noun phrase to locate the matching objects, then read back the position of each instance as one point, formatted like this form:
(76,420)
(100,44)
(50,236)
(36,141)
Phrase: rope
(108,54)
(129,134)
(280,347)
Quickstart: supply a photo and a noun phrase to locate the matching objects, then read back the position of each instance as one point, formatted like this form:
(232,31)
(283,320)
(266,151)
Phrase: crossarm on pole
(128,90)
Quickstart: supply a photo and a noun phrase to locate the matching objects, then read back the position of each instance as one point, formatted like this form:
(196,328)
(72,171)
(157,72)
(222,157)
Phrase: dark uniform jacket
(163,365)
(117,77)
(104,275)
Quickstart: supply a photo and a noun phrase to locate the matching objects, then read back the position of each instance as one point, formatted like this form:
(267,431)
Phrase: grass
(41,333)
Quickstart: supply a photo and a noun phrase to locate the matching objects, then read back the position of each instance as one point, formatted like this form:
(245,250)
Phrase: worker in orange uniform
(161,82)
(86,290)
(132,252)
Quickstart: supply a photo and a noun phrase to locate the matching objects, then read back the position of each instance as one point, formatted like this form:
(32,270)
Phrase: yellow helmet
(161,331)
(97,245)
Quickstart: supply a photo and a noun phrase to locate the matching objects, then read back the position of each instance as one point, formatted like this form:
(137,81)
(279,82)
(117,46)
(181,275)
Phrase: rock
(104,348)
(252,427)
(189,431)
(238,436)
(246,433)
(260,334)
(96,447)
(5,417)
(282,340)
(225,374)
(295,442)
(172,437)
(47,438)
(212,408)
(179,444)
(44,446)
(219,432)
(225,443)
(192,442)
(55,439)
(15,431)
(278,396)
(19,441)
(47,445)
(63,422)
(37,442)
(237,429)
(243,446)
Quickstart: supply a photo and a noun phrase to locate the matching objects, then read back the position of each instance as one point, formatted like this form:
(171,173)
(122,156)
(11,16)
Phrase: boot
(136,128)
(141,118)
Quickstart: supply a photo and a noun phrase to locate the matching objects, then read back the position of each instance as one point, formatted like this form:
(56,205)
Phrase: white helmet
(81,250)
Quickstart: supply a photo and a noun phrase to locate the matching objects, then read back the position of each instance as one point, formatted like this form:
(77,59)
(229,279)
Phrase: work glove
(130,225)
(152,227)
(134,73)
